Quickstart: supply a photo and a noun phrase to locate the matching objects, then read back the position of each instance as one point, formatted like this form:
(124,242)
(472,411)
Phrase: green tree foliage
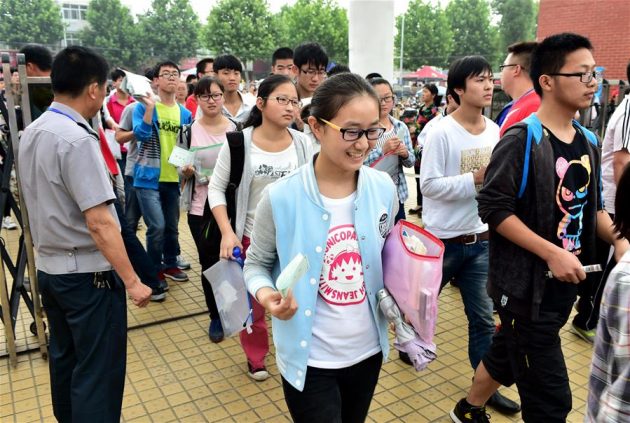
(321,21)
(30,21)
(518,20)
(244,28)
(473,32)
(170,30)
(428,38)
(117,42)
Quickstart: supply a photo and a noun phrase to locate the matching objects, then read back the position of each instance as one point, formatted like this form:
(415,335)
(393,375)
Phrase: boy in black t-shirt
(542,201)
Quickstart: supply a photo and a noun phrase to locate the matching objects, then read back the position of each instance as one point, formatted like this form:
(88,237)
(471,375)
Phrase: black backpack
(210,243)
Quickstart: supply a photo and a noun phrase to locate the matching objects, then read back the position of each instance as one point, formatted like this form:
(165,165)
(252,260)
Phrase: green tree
(428,39)
(170,30)
(118,43)
(518,20)
(30,21)
(321,21)
(473,32)
(244,28)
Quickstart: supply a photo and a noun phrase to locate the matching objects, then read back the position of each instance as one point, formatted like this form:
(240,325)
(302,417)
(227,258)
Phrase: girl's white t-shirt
(266,167)
(344,330)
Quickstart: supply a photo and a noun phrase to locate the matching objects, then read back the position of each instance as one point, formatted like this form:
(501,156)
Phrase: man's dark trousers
(88,346)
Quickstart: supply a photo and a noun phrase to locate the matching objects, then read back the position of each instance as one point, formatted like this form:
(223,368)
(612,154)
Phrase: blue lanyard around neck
(52,109)
(81,124)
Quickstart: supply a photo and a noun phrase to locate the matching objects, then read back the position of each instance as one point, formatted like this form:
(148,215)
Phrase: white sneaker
(7,223)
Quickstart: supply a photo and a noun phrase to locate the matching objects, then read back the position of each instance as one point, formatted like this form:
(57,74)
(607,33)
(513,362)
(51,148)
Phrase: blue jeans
(132,206)
(160,209)
(468,264)
(138,257)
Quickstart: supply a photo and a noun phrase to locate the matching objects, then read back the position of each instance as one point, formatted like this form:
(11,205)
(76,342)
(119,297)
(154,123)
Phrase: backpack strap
(589,135)
(185,135)
(238,124)
(236,142)
(534,134)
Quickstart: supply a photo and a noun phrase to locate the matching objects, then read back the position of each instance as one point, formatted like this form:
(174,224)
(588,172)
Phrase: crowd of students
(285,170)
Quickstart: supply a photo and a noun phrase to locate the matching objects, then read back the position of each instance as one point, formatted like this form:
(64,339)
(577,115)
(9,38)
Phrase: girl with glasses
(391,142)
(329,334)
(272,150)
(206,135)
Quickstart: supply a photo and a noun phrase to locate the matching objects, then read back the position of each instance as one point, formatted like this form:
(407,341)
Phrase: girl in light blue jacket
(329,334)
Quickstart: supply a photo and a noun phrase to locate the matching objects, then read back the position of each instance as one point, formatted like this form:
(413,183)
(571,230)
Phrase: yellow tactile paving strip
(175,374)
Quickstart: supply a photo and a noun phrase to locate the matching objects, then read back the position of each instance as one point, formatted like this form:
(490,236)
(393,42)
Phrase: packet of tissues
(414,244)
(292,273)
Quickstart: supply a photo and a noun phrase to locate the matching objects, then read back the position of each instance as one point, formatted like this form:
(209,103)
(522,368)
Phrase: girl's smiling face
(362,112)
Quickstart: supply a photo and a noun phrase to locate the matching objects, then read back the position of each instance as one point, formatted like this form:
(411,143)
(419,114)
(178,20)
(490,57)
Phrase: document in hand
(389,163)
(135,85)
(292,273)
(181,157)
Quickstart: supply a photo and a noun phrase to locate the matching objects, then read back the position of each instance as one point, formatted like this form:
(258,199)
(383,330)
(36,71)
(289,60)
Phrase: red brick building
(605,22)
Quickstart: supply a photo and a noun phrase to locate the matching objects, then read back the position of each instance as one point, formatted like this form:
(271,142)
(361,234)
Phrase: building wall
(605,22)
(73,15)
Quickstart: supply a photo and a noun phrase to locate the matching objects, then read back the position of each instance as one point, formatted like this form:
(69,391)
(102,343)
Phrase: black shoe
(466,413)
(503,405)
(158,294)
(404,357)
(215,331)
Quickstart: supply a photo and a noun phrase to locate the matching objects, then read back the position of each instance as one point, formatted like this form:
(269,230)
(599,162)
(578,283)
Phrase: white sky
(202,7)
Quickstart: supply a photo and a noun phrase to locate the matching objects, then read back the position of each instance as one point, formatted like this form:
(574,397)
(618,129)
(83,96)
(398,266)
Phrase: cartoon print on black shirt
(571,195)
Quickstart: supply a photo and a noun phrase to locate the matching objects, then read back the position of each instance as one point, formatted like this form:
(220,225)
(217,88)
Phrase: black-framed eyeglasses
(207,97)
(353,134)
(314,72)
(508,66)
(387,99)
(585,77)
(282,100)
(169,75)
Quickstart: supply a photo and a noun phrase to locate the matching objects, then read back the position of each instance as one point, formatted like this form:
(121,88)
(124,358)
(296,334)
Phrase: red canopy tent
(426,72)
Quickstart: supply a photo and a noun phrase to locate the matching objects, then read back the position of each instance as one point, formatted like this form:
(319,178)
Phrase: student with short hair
(455,157)
(271,151)
(517,83)
(204,67)
(115,104)
(310,63)
(156,124)
(329,333)
(228,71)
(282,61)
(542,200)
